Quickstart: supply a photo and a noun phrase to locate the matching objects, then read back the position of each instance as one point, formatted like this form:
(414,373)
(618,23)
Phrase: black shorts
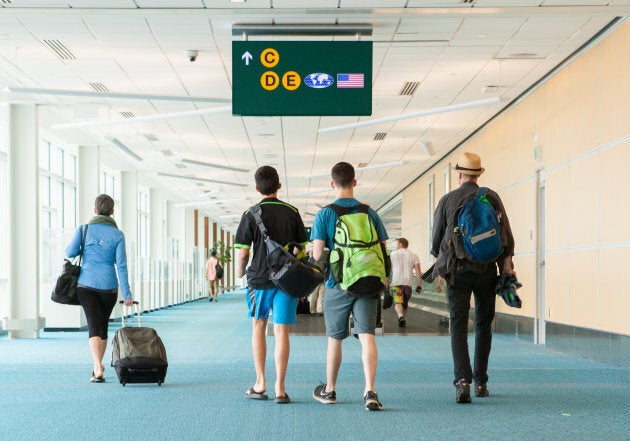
(98,306)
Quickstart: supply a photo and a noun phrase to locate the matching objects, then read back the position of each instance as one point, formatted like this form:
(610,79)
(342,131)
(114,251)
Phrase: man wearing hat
(469,278)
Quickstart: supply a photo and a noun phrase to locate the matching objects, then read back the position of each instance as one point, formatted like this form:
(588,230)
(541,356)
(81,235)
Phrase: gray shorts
(337,309)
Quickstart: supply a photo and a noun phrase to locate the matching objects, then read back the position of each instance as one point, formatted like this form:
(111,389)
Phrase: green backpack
(359,261)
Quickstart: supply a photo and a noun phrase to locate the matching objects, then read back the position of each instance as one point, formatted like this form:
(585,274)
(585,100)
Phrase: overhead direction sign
(305,78)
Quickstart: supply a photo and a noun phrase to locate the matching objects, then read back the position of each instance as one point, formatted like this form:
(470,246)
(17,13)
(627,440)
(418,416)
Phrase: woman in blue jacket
(97,290)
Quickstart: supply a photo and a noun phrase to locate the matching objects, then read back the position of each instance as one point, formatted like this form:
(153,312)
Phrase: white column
(24,320)
(157,248)
(156,217)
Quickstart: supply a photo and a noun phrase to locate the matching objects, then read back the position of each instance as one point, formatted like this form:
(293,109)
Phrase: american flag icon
(350,80)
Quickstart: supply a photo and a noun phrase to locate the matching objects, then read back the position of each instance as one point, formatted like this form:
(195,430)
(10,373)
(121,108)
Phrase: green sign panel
(306,78)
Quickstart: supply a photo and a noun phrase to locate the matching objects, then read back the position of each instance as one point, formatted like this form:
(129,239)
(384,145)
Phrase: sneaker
(322,396)
(481,390)
(402,323)
(462,391)
(371,401)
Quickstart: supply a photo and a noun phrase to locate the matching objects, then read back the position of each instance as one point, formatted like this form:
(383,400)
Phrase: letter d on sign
(269,80)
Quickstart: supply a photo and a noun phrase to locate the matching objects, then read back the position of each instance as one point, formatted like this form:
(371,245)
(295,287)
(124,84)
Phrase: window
(58,203)
(110,185)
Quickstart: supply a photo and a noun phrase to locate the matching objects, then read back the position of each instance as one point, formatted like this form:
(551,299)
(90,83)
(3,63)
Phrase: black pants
(98,306)
(482,286)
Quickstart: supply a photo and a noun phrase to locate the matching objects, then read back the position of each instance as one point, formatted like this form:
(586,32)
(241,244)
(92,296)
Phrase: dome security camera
(192,55)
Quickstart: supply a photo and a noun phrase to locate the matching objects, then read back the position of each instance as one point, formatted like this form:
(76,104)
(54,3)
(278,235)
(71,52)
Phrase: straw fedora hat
(469,164)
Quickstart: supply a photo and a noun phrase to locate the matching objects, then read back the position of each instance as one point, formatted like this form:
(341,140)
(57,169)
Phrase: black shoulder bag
(65,291)
(295,277)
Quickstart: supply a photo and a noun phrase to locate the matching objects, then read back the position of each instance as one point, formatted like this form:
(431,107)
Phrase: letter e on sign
(269,58)
(291,80)
(269,80)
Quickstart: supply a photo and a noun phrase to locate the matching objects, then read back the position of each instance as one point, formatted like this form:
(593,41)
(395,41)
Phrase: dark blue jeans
(482,286)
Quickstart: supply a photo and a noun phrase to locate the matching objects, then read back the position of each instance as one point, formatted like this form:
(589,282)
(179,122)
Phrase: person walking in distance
(338,304)
(404,263)
(465,276)
(284,225)
(211,277)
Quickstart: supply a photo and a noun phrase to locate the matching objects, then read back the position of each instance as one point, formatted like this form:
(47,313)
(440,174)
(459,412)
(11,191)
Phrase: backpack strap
(256,211)
(341,210)
(83,244)
(482,192)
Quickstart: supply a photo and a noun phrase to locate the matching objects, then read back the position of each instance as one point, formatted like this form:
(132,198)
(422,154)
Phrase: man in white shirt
(404,262)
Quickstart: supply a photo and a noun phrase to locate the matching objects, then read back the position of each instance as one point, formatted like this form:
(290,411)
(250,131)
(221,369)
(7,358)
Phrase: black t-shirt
(283,224)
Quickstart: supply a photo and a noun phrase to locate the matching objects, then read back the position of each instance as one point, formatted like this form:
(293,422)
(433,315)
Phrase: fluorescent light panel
(212,202)
(207,164)
(192,178)
(124,148)
(435,111)
(321,190)
(110,95)
(148,118)
(362,169)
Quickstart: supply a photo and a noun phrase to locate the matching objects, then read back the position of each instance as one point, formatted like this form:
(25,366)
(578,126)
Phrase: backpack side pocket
(335,263)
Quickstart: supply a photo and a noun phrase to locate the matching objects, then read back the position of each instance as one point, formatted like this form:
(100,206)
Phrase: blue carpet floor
(536,394)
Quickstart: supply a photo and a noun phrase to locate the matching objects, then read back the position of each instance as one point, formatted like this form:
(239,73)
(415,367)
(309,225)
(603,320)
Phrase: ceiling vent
(150,137)
(467,2)
(127,114)
(99,87)
(362,165)
(60,49)
(167,153)
(380,136)
(6,2)
(180,165)
(409,88)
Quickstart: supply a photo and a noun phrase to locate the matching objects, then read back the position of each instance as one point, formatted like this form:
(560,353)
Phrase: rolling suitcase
(138,354)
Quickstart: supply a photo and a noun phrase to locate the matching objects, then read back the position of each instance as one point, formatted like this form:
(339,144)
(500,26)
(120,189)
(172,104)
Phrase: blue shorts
(337,308)
(260,302)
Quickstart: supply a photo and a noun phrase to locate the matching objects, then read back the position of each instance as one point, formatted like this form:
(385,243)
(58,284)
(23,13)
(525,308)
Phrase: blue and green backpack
(359,261)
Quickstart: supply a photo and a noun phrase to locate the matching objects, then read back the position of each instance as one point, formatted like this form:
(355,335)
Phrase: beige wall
(582,120)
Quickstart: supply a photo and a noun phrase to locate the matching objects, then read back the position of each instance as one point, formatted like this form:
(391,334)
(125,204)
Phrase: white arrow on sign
(247,57)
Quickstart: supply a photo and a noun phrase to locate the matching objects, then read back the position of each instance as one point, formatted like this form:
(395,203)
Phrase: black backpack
(219,270)
(295,277)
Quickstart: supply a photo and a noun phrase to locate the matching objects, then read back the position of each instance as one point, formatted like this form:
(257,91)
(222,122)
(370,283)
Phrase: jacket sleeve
(121,267)
(74,247)
(506,231)
(439,227)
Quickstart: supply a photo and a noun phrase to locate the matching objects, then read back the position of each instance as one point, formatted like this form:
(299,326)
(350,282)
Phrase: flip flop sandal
(253,395)
(283,400)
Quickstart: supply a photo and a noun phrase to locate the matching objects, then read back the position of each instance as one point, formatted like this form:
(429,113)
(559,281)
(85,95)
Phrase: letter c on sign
(269,80)
(269,58)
